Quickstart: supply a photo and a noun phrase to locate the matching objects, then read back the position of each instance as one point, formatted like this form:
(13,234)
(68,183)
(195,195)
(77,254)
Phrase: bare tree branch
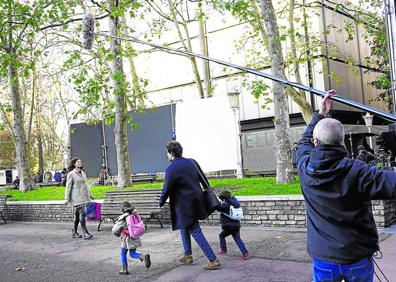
(71,21)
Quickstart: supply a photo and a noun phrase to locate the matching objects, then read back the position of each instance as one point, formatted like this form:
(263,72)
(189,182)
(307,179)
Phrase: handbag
(211,200)
(98,211)
(90,211)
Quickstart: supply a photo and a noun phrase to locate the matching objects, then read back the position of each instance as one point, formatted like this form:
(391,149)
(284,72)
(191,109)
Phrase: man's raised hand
(326,102)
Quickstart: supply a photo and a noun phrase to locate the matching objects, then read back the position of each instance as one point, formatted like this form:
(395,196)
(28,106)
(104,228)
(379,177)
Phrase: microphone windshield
(88,27)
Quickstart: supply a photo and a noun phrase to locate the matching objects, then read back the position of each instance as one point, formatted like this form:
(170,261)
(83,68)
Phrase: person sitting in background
(64,176)
(16,182)
(47,177)
(38,178)
(103,175)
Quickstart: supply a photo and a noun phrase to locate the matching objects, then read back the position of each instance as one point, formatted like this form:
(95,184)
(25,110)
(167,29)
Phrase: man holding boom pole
(341,232)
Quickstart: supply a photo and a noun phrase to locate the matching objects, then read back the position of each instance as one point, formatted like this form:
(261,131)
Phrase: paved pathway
(45,252)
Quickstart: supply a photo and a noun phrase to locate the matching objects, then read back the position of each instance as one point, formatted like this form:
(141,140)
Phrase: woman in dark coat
(187,206)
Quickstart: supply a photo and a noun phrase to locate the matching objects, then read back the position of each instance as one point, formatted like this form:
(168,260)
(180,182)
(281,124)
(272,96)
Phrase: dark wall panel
(111,150)
(146,143)
(86,142)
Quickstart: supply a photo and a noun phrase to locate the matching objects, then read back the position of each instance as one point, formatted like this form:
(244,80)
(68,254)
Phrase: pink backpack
(135,225)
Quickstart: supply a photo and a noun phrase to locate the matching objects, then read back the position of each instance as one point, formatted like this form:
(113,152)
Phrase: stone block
(278,222)
(291,222)
(276,212)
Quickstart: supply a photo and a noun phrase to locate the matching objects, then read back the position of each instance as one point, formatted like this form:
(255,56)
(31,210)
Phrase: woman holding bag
(187,202)
(77,195)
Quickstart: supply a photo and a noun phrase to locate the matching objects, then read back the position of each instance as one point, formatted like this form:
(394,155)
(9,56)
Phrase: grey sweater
(77,192)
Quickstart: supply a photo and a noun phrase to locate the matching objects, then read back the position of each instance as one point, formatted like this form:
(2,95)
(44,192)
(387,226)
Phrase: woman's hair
(225,195)
(174,148)
(73,163)
(127,207)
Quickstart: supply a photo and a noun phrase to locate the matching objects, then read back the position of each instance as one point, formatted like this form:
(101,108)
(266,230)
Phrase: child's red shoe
(221,252)
(245,256)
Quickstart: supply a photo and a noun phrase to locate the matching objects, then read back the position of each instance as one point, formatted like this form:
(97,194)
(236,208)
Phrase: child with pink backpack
(129,227)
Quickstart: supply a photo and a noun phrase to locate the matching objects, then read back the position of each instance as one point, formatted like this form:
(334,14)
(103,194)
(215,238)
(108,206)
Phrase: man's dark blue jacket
(338,193)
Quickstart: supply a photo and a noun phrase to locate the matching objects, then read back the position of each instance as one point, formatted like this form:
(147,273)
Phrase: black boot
(75,234)
(147,260)
(75,225)
(87,235)
(124,270)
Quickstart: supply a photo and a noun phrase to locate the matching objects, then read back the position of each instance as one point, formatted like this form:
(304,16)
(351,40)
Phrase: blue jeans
(361,271)
(198,236)
(237,238)
(132,253)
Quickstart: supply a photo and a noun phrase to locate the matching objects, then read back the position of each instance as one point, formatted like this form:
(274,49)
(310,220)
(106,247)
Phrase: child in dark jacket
(128,244)
(230,226)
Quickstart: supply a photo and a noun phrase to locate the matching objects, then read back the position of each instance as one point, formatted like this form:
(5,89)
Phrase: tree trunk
(30,124)
(66,148)
(137,89)
(306,109)
(298,97)
(187,47)
(197,77)
(8,122)
(284,167)
(40,152)
(26,182)
(204,51)
(121,115)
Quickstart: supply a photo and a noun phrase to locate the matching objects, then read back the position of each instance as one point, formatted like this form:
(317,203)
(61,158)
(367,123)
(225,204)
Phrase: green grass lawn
(239,187)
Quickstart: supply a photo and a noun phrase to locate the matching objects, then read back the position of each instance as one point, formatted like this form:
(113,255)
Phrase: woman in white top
(77,195)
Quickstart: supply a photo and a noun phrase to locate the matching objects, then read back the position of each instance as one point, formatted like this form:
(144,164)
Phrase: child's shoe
(245,256)
(186,259)
(124,270)
(213,265)
(147,261)
(221,252)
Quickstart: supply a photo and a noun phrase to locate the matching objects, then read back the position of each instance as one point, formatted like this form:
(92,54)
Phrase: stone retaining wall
(272,211)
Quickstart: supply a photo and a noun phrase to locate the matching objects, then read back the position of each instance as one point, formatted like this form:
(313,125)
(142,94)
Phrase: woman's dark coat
(186,199)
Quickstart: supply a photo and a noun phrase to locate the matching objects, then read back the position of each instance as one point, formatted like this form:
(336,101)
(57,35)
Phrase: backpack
(235,213)
(135,225)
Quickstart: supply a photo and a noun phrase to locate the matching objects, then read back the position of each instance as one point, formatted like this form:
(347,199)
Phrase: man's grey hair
(329,131)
